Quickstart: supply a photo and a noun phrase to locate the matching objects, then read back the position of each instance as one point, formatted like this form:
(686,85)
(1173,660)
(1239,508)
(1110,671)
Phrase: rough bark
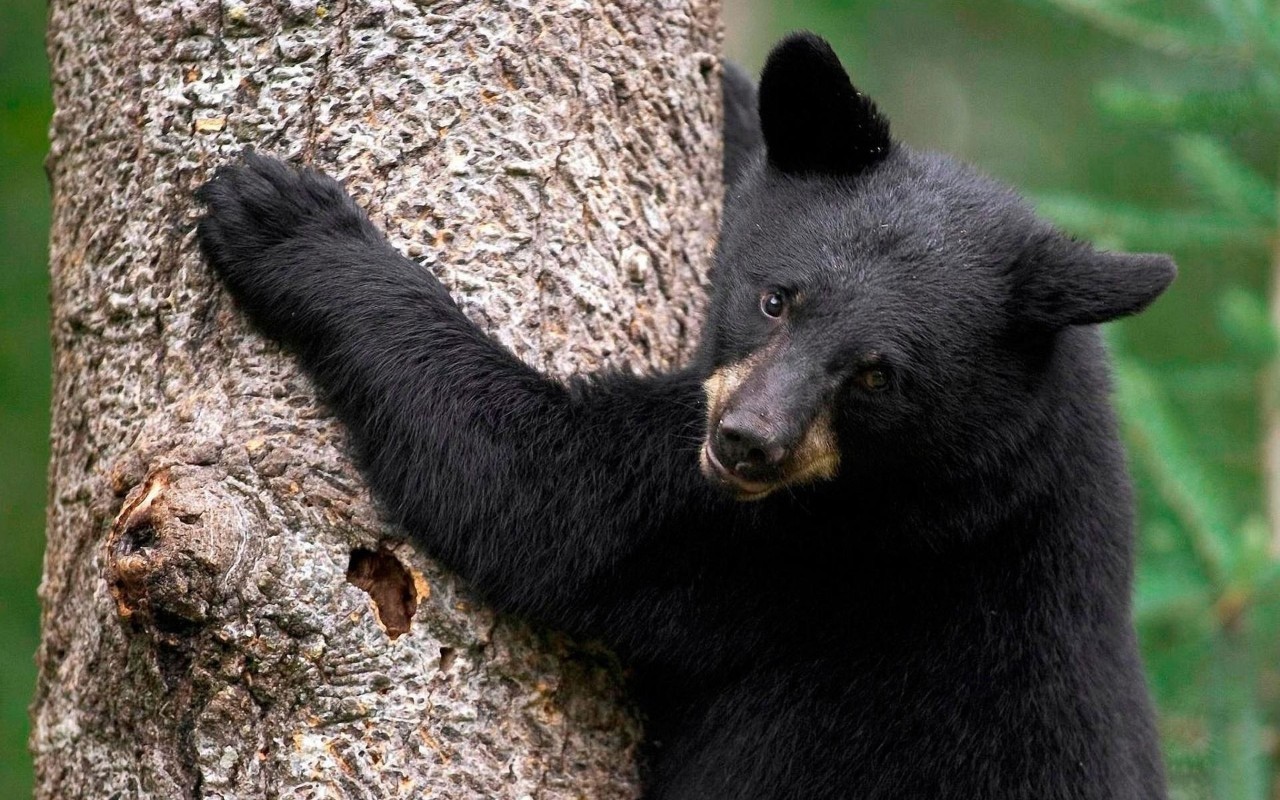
(225,615)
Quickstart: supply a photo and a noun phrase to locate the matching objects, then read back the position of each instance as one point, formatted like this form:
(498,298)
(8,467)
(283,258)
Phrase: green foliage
(1223,110)
(24,371)
(1209,580)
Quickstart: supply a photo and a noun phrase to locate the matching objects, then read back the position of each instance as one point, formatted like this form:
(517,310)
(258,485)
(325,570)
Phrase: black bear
(896,561)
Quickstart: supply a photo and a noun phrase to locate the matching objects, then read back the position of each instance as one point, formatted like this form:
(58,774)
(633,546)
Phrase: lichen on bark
(207,631)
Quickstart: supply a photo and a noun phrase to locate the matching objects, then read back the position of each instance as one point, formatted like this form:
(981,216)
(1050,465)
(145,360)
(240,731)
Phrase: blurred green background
(24,370)
(1142,125)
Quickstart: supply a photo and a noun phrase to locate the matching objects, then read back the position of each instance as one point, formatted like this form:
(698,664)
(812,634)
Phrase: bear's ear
(812,118)
(1061,282)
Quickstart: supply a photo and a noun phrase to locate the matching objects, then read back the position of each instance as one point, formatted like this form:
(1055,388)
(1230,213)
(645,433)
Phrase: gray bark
(225,614)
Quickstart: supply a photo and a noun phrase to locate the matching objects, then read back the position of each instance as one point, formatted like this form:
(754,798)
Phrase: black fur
(813,120)
(947,618)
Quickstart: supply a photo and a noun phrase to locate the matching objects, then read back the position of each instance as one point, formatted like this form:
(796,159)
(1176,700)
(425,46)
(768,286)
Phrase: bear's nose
(746,446)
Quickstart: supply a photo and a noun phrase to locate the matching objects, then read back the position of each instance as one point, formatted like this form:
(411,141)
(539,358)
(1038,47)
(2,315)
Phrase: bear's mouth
(718,474)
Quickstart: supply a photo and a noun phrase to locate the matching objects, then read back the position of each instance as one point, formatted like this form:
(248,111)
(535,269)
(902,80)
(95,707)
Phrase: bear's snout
(767,427)
(748,447)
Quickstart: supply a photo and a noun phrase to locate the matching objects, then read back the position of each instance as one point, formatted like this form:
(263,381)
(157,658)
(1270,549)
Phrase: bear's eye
(773,303)
(874,377)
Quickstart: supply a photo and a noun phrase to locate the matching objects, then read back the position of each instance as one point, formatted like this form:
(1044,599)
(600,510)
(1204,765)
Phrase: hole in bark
(447,656)
(140,537)
(132,546)
(389,583)
(167,621)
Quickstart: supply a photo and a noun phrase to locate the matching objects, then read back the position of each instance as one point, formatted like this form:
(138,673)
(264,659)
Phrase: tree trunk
(225,614)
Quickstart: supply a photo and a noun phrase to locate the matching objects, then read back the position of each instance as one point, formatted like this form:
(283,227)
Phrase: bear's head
(879,310)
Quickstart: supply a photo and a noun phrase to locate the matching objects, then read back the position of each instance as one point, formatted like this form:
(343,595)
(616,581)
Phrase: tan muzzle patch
(816,457)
